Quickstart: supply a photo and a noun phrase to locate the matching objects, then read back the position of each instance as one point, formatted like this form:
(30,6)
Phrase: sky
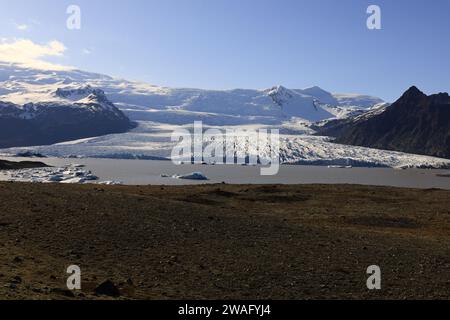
(226,44)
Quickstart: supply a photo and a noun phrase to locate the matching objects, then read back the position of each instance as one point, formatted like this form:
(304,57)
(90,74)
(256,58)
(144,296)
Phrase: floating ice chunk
(111,183)
(74,180)
(90,177)
(75,165)
(55,178)
(67,174)
(192,176)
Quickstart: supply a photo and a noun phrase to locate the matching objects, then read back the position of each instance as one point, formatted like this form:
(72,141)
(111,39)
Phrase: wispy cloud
(29,54)
(22,27)
(86,51)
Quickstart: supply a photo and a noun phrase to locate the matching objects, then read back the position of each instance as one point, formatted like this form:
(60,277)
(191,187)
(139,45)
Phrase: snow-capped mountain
(142,101)
(350,99)
(44,123)
(296,104)
(321,95)
(332,127)
(78,93)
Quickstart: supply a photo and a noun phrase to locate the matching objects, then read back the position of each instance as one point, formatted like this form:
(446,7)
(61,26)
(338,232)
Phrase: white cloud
(25,26)
(29,54)
(22,27)
(86,51)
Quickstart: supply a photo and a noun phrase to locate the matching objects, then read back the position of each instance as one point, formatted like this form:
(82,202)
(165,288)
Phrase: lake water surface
(143,172)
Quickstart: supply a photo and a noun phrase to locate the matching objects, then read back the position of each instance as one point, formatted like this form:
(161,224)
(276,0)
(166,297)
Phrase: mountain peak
(412,96)
(315,88)
(74,93)
(98,95)
(278,89)
(321,95)
(280,95)
(414,92)
(414,89)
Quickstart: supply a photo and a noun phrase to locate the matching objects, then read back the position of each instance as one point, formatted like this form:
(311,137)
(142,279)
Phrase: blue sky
(224,44)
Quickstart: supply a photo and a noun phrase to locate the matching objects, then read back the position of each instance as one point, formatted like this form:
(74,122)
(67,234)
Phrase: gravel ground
(224,241)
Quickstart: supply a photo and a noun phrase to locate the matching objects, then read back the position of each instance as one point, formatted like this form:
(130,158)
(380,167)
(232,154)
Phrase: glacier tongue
(153,141)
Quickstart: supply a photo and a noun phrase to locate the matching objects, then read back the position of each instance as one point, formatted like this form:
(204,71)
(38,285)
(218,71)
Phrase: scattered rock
(18,260)
(107,288)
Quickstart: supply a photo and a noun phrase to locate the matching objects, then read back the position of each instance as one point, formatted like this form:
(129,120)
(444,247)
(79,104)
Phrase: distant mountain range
(142,101)
(416,123)
(45,123)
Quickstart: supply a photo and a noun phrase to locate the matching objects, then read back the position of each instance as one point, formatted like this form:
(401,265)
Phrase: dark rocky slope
(416,123)
(49,123)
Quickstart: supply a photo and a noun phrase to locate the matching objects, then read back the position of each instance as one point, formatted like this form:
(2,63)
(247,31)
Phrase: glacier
(159,111)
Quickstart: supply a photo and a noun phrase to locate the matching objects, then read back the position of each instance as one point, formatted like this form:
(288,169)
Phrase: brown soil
(224,242)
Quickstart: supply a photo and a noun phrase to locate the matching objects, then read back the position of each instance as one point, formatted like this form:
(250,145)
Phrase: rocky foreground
(223,242)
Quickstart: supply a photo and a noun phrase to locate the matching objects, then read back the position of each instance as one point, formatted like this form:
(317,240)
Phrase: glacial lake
(144,172)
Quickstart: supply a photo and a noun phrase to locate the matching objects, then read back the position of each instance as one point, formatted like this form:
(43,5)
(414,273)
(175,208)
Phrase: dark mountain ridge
(415,123)
(47,123)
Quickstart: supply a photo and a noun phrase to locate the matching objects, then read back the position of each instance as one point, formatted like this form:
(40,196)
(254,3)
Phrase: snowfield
(159,111)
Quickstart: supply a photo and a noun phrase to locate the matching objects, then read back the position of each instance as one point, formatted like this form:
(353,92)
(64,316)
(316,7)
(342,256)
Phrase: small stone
(16,280)
(107,288)
(18,260)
